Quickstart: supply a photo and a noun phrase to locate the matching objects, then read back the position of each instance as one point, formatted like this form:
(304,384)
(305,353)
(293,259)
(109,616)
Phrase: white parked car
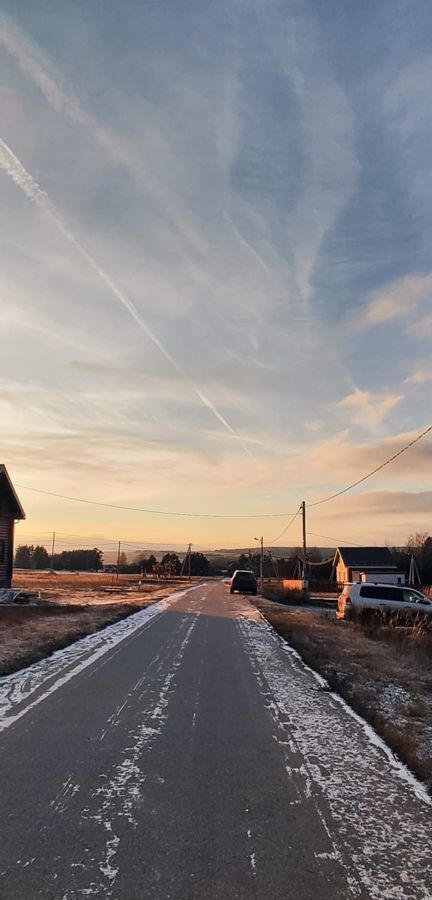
(376,596)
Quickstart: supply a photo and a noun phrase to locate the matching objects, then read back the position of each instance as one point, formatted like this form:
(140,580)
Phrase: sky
(216,267)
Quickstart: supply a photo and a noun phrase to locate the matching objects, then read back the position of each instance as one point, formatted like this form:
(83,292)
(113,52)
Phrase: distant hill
(228,554)
(278,552)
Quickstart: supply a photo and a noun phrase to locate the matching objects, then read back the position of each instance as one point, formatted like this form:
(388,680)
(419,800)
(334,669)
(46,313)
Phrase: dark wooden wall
(6,535)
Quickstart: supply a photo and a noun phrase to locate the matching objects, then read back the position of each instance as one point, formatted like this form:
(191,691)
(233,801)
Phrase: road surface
(188,754)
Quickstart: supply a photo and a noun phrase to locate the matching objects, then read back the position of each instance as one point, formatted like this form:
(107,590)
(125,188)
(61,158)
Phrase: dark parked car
(244,581)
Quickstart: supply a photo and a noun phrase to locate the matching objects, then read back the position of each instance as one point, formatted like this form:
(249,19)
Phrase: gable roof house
(10,511)
(366,564)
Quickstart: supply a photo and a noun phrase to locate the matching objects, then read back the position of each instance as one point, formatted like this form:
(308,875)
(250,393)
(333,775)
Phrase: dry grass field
(71,606)
(92,588)
(29,633)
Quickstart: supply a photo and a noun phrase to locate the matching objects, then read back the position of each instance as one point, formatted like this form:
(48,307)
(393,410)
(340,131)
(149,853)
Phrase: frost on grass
(23,690)
(380,815)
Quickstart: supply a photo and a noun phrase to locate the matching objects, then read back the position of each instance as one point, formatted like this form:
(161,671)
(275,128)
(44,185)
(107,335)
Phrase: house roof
(7,490)
(365,557)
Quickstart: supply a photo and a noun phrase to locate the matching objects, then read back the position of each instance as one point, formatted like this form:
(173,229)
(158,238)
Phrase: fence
(293,584)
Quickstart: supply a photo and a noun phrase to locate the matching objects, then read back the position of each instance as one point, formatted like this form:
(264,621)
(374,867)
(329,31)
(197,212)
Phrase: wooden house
(10,511)
(366,564)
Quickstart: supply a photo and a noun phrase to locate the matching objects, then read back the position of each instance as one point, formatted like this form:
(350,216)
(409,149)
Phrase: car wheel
(231,590)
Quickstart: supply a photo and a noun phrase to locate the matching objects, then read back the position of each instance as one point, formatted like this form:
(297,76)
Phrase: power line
(157,512)
(374,471)
(160,512)
(329,537)
(98,539)
(321,562)
(273,541)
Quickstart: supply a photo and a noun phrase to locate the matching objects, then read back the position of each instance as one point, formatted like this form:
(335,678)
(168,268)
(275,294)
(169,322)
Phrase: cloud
(23,179)
(397,301)
(233,188)
(368,408)
(314,425)
(339,460)
(384,503)
(325,136)
(420,376)
(422,329)
(39,68)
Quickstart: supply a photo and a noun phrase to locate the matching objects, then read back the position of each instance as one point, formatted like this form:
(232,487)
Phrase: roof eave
(18,512)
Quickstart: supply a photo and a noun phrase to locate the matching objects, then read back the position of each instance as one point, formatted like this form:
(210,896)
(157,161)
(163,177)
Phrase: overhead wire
(328,537)
(273,541)
(321,562)
(374,471)
(160,512)
(156,512)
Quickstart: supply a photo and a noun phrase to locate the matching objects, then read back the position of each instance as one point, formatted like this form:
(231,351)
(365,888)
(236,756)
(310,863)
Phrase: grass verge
(31,633)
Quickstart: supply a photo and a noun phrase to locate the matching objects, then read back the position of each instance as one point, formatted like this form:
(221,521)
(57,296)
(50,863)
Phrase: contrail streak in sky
(22,178)
(39,68)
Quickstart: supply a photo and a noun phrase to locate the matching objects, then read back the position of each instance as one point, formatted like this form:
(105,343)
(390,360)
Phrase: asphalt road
(196,758)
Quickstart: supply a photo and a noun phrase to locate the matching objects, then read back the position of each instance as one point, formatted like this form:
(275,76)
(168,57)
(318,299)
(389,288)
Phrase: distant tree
(40,558)
(23,556)
(420,546)
(243,562)
(150,563)
(123,559)
(79,560)
(140,562)
(199,564)
(287,567)
(140,558)
(415,542)
(171,559)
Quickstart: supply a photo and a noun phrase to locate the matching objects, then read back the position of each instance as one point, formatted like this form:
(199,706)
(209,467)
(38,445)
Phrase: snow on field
(381,815)
(24,690)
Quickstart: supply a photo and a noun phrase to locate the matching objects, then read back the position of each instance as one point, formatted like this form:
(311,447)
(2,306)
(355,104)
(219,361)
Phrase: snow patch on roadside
(24,690)
(400,768)
(380,813)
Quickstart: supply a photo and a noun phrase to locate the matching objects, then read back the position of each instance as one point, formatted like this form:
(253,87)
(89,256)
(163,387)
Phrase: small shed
(10,511)
(366,564)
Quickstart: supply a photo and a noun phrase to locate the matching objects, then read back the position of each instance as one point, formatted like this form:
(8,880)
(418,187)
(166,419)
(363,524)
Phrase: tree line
(27,556)
(196,563)
(418,545)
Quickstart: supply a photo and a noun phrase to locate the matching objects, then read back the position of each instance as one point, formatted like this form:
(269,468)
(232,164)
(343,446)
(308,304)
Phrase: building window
(2,551)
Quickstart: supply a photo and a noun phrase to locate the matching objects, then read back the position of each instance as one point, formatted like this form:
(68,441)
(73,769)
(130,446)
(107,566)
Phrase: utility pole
(118,559)
(261,541)
(414,574)
(303,507)
(52,553)
(188,560)
(274,563)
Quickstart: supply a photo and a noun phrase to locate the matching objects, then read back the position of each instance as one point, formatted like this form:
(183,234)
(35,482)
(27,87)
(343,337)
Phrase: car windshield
(411,596)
